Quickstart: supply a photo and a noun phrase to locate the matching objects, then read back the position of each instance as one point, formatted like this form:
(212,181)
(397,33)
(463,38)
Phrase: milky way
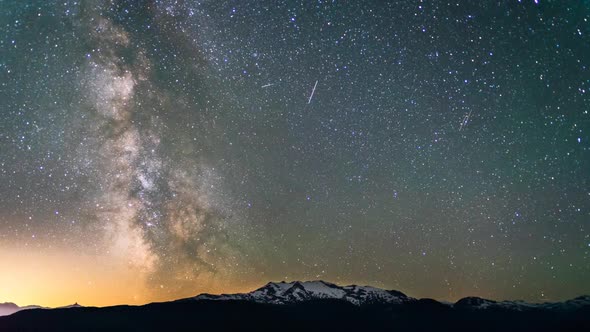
(441,149)
(154,208)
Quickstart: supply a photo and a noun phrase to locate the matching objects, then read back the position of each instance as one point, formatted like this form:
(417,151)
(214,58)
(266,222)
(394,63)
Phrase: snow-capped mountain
(476,303)
(387,310)
(294,292)
(301,291)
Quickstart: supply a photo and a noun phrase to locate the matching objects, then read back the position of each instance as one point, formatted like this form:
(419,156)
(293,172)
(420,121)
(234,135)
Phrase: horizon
(156,150)
(290,282)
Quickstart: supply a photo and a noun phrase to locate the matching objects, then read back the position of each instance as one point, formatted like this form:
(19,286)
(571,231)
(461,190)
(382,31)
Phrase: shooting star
(465,120)
(312,92)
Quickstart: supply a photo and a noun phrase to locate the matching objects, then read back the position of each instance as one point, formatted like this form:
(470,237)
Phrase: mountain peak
(291,292)
(299,291)
(8,308)
(474,302)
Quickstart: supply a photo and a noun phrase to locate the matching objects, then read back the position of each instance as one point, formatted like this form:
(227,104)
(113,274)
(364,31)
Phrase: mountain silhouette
(311,305)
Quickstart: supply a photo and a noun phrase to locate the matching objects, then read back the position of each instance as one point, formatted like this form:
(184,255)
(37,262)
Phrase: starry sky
(153,150)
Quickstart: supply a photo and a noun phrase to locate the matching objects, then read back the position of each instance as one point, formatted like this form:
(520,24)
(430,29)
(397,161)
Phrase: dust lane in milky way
(158,150)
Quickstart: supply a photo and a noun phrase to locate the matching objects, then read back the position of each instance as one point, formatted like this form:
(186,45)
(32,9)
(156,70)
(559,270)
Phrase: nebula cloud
(155,214)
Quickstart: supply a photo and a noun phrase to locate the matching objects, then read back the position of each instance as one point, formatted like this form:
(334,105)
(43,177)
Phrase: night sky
(153,150)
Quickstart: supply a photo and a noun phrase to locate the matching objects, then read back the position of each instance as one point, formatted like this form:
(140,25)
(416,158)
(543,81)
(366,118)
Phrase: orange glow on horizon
(60,277)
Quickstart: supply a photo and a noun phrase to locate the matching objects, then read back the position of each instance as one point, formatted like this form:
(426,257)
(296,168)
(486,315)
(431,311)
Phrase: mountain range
(9,308)
(310,305)
(295,292)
